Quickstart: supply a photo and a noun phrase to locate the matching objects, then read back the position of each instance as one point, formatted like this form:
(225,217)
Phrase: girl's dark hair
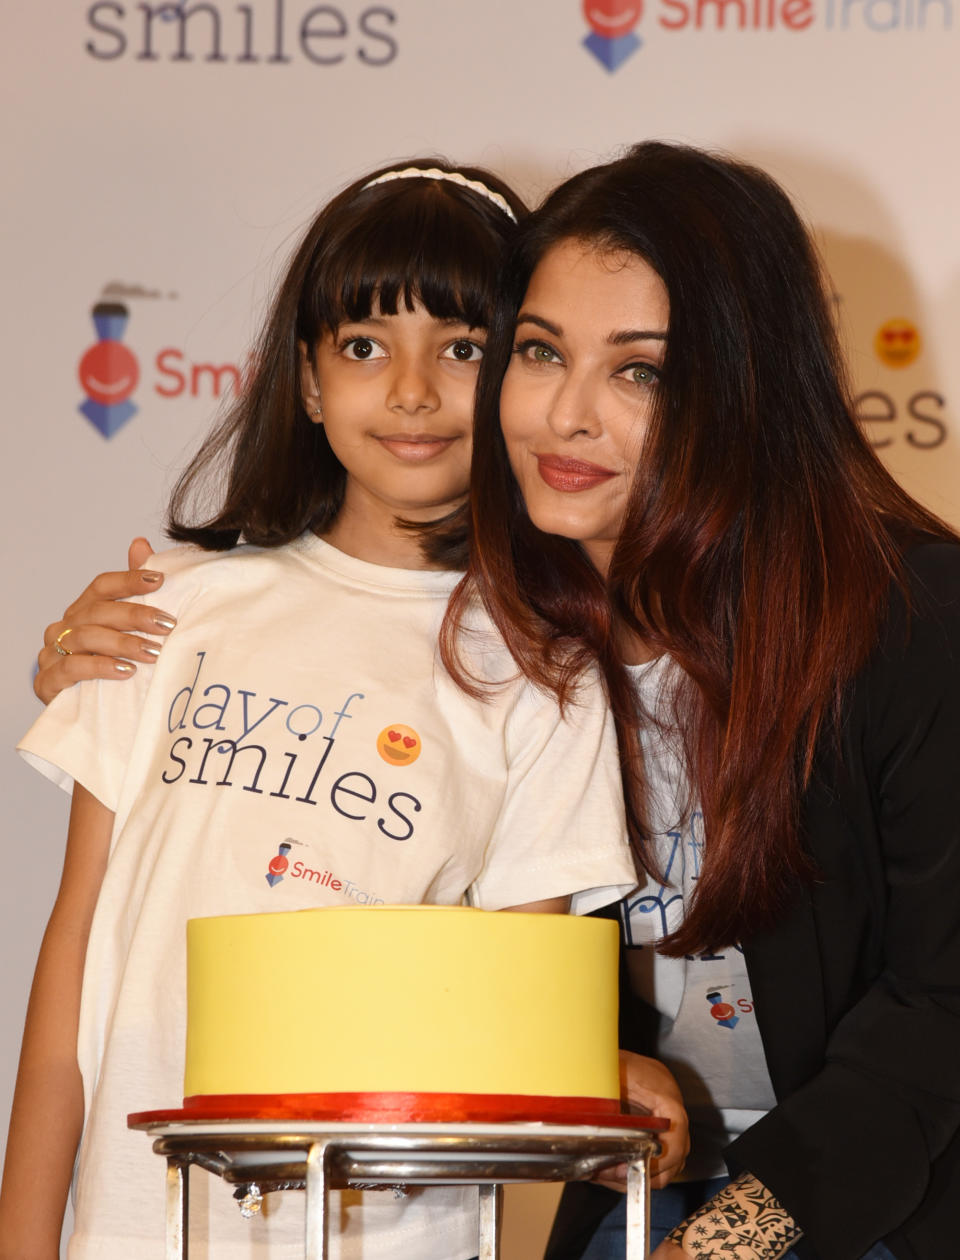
(403,241)
(761,535)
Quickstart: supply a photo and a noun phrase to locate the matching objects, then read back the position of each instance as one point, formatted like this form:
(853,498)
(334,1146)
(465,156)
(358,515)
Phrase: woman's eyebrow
(635,334)
(526,318)
(623,338)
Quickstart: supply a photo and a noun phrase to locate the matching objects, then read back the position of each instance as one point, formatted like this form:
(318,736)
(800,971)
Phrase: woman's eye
(537,352)
(464,351)
(640,374)
(362,348)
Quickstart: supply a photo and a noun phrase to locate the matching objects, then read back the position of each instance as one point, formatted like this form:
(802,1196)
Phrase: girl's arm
(47,1116)
(100,643)
(552,905)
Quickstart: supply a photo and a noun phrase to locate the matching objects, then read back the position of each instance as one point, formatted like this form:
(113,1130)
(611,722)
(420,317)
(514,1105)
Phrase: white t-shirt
(299,711)
(708,1033)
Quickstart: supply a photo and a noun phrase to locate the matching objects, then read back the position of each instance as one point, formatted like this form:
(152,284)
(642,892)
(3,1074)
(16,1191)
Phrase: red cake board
(399,1108)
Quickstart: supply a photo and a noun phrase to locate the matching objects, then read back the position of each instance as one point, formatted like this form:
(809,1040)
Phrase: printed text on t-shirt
(231,760)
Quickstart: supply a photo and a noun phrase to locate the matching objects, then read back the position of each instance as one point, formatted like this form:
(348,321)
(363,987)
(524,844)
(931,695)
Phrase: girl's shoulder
(186,558)
(183,559)
(190,571)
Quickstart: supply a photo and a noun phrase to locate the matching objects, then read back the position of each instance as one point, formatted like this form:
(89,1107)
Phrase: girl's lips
(415,448)
(571,475)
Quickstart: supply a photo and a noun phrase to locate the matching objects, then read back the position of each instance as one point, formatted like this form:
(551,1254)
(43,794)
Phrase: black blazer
(857,988)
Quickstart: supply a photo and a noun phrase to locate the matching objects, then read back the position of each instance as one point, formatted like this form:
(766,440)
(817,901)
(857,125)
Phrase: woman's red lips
(562,473)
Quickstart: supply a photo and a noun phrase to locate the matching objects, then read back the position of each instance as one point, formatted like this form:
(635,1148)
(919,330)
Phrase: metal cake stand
(258,1156)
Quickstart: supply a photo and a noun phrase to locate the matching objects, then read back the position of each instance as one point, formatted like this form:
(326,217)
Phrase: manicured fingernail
(122,667)
(150,649)
(164,621)
(148,575)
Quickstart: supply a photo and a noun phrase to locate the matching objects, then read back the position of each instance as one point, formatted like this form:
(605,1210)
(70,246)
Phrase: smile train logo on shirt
(722,1011)
(278,865)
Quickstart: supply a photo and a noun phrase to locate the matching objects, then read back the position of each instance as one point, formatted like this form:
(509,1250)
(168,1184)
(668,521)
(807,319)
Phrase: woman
(679,490)
(682,494)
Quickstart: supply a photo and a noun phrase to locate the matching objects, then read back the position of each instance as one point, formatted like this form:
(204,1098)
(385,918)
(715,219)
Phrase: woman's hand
(95,631)
(647,1086)
(669,1251)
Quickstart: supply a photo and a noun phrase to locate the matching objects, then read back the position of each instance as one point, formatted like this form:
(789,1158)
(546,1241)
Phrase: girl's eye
(362,348)
(464,351)
(536,352)
(640,374)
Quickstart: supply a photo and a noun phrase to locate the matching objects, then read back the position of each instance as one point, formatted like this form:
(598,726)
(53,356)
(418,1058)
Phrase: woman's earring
(317,411)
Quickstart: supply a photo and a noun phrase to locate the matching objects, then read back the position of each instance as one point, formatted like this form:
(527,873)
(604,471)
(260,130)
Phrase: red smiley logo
(612,18)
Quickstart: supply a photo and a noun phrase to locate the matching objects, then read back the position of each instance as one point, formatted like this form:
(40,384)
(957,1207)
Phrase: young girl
(672,475)
(298,722)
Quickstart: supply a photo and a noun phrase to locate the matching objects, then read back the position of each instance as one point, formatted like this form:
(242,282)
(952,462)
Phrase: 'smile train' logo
(109,371)
(278,864)
(612,39)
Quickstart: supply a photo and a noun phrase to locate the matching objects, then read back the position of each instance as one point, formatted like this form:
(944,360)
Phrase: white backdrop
(166,156)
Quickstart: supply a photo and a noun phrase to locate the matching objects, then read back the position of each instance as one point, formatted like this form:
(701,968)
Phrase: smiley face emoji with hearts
(897,343)
(399,745)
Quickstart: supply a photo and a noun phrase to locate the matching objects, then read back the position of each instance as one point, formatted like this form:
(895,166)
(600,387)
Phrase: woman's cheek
(514,455)
(522,410)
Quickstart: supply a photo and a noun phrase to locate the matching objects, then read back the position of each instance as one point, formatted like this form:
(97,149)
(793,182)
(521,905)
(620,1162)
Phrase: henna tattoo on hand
(743,1221)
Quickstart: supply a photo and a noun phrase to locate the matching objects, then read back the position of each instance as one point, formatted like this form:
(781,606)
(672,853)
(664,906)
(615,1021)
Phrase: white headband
(454,177)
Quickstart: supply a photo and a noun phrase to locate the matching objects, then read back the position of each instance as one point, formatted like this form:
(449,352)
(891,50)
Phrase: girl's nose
(412,387)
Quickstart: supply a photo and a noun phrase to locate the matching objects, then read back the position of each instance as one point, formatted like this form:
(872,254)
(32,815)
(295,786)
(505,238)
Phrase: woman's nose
(574,408)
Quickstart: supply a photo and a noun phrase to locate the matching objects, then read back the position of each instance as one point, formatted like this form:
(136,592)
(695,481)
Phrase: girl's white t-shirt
(299,708)
(708,1033)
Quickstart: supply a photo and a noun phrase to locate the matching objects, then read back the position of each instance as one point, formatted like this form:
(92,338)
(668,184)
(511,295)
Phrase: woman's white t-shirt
(708,1034)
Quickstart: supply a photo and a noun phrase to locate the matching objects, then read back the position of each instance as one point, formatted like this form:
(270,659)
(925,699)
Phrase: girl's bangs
(433,251)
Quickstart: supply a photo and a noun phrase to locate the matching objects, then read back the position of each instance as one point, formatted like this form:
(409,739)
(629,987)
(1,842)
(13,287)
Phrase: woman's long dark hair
(269,469)
(761,535)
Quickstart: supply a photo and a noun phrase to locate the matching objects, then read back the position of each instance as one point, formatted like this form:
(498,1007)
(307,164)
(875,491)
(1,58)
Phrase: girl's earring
(312,401)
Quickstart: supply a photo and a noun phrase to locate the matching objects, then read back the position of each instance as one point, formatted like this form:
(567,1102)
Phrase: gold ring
(58,642)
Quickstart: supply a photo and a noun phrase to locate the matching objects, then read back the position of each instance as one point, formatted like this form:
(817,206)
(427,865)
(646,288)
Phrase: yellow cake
(360,1003)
